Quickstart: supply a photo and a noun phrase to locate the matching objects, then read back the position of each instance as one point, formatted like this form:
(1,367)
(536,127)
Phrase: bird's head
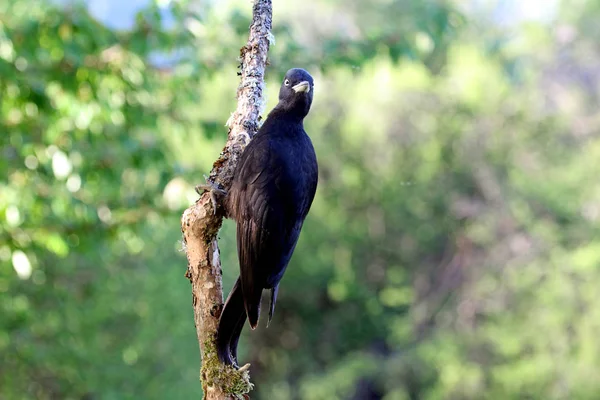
(296,93)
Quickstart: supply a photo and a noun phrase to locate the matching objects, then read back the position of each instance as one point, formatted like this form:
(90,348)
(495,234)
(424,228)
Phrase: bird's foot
(213,189)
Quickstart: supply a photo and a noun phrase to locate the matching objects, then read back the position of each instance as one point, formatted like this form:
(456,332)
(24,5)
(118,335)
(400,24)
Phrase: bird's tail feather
(231,324)
(233,343)
(252,301)
(274,291)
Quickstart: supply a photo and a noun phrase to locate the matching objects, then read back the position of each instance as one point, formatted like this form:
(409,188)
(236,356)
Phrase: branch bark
(200,223)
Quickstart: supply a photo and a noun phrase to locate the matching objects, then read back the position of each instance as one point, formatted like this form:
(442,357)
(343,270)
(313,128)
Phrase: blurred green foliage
(452,252)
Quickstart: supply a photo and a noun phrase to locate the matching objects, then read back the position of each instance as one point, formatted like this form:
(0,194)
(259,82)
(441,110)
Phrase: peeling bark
(200,223)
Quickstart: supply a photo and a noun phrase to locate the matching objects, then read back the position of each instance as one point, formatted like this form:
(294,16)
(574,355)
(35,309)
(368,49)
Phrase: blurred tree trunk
(200,223)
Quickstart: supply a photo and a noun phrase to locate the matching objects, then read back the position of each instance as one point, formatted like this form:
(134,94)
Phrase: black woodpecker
(273,188)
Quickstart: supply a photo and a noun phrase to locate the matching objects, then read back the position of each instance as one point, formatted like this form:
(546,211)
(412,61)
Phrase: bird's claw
(243,368)
(213,189)
(208,187)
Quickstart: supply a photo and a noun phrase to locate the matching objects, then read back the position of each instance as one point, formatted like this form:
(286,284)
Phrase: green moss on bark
(230,380)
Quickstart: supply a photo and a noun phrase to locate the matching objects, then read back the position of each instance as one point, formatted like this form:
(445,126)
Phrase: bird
(273,187)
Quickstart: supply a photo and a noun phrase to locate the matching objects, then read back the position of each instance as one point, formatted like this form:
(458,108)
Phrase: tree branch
(200,223)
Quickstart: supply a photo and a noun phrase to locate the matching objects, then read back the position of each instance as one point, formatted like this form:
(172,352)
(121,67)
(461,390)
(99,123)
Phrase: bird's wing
(260,221)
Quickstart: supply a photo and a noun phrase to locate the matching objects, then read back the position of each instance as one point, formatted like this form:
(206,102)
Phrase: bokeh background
(453,249)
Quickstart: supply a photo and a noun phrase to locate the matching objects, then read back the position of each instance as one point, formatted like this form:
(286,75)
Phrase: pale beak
(303,86)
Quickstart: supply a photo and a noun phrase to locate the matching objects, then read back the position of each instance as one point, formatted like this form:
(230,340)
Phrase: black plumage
(273,188)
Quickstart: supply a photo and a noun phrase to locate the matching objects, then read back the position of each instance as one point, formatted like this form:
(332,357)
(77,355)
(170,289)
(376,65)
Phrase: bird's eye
(287,82)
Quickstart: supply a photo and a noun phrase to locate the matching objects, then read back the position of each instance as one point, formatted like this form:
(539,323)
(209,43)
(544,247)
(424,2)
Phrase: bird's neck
(285,116)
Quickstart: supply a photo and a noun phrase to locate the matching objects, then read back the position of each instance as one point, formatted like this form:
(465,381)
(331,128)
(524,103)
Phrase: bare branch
(200,224)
